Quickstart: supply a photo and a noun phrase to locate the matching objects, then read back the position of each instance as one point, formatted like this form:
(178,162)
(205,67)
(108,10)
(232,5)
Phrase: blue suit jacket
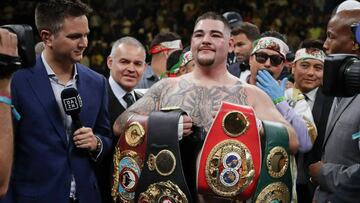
(44,159)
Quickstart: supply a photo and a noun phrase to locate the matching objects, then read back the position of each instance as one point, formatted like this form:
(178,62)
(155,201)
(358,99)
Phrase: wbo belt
(129,159)
(230,159)
(162,178)
(275,184)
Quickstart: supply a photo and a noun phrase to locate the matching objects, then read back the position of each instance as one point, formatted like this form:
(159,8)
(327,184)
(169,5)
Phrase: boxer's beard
(205,61)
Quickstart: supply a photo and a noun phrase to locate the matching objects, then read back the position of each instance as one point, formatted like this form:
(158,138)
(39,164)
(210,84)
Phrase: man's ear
(109,62)
(46,37)
(231,44)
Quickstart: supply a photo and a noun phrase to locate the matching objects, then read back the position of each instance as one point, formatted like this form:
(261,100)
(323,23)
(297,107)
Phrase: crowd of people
(153,56)
(144,19)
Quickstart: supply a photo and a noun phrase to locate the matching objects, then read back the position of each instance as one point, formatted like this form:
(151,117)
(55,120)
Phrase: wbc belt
(229,163)
(275,184)
(129,159)
(162,179)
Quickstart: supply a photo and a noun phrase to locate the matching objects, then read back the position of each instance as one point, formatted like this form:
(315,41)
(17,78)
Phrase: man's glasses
(275,60)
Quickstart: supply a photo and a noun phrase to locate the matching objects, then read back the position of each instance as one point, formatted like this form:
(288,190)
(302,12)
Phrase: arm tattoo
(148,103)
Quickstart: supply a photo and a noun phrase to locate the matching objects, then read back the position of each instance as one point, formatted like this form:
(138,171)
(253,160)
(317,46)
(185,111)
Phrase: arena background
(143,19)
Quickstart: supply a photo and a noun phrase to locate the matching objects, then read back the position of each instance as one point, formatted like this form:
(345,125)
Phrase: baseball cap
(234,18)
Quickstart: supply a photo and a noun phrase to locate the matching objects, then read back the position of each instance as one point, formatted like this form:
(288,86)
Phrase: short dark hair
(251,31)
(312,43)
(214,16)
(164,37)
(274,34)
(50,15)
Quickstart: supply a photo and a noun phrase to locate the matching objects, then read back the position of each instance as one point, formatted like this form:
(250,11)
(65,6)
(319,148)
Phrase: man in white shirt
(127,65)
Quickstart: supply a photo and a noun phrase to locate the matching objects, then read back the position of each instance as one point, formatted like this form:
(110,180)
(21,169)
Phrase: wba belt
(129,159)
(275,184)
(229,163)
(162,178)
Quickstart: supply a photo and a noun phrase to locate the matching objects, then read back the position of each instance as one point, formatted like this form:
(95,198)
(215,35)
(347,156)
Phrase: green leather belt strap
(275,183)
(162,170)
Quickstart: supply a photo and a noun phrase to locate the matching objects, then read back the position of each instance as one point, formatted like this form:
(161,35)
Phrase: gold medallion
(127,170)
(311,129)
(134,134)
(229,168)
(163,192)
(275,192)
(164,162)
(277,162)
(235,123)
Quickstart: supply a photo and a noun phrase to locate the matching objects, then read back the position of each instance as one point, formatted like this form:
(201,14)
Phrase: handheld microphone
(72,104)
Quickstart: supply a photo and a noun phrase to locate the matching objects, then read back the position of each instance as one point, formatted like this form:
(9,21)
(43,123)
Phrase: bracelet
(278,100)
(7,100)
(5,95)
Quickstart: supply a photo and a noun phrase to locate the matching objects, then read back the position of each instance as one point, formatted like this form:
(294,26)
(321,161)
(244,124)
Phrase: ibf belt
(162,179)
(275,184)
(230,158)
(129,159)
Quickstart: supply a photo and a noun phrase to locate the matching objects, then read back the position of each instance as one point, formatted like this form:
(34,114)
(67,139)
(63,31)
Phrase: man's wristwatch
(98,144)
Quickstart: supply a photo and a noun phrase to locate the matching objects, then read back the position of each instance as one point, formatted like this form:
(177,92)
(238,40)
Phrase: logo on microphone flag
(72,103)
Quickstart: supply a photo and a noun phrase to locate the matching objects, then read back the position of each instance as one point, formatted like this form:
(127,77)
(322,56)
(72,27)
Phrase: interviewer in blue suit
(54,163)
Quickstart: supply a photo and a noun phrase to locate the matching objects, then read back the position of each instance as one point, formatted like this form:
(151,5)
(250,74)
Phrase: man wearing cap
(292,104)
(268,54)
(161,47)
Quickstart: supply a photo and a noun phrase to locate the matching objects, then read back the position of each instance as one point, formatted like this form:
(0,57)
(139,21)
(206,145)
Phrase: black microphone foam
(72,104)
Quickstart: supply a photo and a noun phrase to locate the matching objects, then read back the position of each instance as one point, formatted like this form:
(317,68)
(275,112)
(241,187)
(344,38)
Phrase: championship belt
(275,184)
(129,159)
(229,164)
(162,179)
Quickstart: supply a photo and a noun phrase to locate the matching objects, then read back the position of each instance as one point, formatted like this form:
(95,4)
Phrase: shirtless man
(201,92)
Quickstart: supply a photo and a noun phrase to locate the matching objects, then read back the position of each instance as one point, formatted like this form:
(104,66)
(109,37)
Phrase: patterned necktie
(129,99)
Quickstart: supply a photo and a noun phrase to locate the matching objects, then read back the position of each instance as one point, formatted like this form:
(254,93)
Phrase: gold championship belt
(229,164)
(129,159)
(275,184)
(162,179)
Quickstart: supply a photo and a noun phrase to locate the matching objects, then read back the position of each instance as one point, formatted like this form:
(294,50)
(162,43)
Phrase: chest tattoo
(199,101)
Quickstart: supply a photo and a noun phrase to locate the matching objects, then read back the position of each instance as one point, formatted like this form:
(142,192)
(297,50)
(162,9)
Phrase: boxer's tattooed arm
(148,103)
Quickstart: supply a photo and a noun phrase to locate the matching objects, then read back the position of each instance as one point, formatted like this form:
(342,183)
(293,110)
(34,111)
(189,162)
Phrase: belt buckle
(164,162)
(229,168)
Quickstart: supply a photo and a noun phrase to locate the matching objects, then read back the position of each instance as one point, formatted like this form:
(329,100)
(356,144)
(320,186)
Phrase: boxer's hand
(187,125)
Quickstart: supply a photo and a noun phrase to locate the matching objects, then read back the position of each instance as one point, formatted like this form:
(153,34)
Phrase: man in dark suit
(341,153)
(127,65)
(307,69)
(243,35)
(53,160)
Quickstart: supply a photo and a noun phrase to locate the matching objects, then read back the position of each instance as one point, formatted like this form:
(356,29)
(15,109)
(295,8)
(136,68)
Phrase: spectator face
(210,43)
(242,47)
(308,74)
(267,59)
(127,65)
(70,42)
(338,37)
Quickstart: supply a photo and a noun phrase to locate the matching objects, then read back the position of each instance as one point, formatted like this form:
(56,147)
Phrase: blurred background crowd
(112,19)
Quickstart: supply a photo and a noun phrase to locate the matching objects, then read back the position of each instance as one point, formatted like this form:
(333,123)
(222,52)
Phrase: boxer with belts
(201,92)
